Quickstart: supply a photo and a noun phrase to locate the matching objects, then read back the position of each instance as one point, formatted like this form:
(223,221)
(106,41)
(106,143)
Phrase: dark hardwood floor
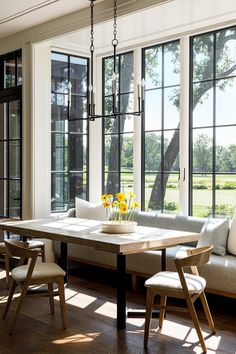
(91,310)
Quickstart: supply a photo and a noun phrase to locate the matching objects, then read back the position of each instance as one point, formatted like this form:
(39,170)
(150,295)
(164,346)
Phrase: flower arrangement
(119,207)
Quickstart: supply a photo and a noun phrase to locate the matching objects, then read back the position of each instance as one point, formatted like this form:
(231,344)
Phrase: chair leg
(207,312)
(7,265)
(43,254)
(51,297)
(10,296)
(18,308)
(149,306)
(162,310)
(61,289)
(196,323)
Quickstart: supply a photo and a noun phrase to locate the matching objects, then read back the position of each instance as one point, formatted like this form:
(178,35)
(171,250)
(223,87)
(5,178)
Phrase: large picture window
(118,132)
(213,123)
(10,135)
(160,129)
(69,170)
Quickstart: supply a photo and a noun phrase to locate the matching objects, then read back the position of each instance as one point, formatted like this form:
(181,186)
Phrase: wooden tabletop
(88,232)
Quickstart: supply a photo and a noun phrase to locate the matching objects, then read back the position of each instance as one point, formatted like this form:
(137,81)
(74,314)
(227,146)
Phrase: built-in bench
(220,272)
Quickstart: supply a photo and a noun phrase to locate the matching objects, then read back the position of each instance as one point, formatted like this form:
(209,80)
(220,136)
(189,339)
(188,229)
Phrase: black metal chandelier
(91,88)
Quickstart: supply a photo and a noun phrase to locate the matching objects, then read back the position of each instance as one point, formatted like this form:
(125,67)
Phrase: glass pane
(3,121)
(14,119)
(152,151)
(171,64)
(78,126)
(3,201)
(59,107)
(202,104)
(111,125)
(126,72)
(171,151)
(14,198)
(127,153)
(59,191)
(171,199)
(202,195)
(19,70)
(153,196)
(225,101)
(59,75)
(225,195)
(111,153)
(203,57)
(78,107)
(78,152)
(202,150)
(127,103)
(127,182)
(108,105)
(59,126)
(153,110)
(111,183)
(9,73)
(78,75)
(127,123)
(108,70)
(171,107)
(225,52)
(14,159)
(78,184)
(225,149)
(3,159)
(59,152)
(153,67)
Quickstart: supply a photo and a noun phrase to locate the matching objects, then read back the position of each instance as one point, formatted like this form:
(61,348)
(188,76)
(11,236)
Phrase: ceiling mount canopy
(92,115)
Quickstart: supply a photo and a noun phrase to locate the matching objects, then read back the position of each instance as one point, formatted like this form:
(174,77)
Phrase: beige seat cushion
(170,281)
(35,244)
(41,271)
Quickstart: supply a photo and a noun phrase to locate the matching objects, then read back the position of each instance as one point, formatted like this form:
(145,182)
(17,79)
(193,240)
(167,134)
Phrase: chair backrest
(20,249)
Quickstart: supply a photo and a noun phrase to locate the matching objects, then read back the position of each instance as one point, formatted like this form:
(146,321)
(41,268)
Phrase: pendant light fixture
(91,88)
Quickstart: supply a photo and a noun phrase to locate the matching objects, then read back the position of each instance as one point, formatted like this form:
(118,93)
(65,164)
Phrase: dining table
(86,232)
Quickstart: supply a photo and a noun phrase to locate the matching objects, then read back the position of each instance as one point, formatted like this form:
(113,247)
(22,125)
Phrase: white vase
(119,228)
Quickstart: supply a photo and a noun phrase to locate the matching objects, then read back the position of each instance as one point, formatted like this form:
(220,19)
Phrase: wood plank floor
(91,309)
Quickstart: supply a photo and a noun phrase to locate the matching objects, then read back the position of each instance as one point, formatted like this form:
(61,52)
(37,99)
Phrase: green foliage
(199,186)
(224,209)
(170,206)
(229,185)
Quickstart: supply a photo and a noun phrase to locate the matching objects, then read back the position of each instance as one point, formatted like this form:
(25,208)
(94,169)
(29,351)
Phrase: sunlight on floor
(78,299)
(108,309)
(77,338)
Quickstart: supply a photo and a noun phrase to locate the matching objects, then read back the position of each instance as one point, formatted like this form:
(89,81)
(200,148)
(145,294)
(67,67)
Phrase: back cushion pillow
(215,233)
(232,237)
(87,210)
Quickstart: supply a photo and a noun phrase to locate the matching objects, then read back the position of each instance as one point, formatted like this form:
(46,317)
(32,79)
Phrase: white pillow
(215,233)
(87,210)
(232,237)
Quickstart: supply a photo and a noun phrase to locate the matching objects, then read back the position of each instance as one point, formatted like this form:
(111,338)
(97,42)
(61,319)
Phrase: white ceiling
(17,15)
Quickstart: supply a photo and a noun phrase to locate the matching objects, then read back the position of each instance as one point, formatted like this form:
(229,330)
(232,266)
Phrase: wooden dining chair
(5,259)
(180,285)
(29,273)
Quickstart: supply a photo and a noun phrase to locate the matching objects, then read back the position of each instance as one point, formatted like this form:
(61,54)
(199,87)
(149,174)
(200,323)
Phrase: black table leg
(63,262)
(163,259)
(121,291)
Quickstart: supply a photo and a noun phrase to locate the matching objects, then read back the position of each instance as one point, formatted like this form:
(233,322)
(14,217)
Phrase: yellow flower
(104,197)
(110,196)
(132,205)
(123,203)
(120,196)
(106,204)
(123,209)
(132,194)
(115,204)
(137,205)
